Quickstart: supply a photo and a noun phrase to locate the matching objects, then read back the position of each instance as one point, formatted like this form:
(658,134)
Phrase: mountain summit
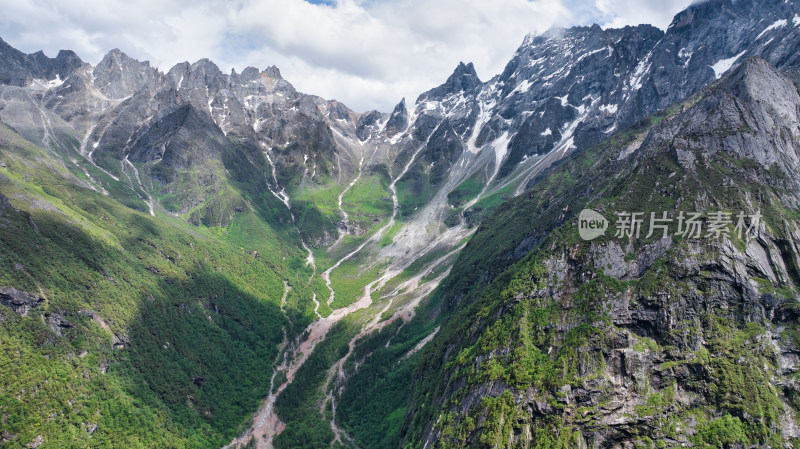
(463,79)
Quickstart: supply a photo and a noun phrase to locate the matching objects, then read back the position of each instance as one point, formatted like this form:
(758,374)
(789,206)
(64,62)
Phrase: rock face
(627,340)
(19,69)
(366,124)
(120,76)
(18,301)
(709,38)
(398,121)
(755,97)
(464,79)
(4,203)
(58,323)
(181,140)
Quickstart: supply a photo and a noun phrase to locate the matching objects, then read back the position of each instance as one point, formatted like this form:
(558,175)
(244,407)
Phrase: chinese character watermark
(694,225)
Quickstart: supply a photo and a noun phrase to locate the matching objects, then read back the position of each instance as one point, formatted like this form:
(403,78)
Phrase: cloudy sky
(365,53)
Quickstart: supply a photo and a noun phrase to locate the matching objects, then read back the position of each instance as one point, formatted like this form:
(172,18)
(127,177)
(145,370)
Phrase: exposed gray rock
(58,323)
(611,259)
(180,140)
(6,436)
(756,96)
(398,121)
(20,302)
(464,79)
(366,124)
(119,76)
(4,203)
(19,69)
(38,441)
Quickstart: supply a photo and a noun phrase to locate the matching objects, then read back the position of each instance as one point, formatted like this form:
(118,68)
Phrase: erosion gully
(292,355)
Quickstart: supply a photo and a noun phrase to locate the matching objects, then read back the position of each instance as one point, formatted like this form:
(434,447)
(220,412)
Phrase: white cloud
(618,13)
(365,53)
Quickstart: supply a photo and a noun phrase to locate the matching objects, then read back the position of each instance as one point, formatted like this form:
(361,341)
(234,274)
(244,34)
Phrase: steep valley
(195,259)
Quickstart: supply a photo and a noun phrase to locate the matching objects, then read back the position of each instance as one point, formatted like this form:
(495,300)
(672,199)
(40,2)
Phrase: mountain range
(199,259)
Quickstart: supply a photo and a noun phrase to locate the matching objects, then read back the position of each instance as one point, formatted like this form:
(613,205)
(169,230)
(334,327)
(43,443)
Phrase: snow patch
(547,132)
(556,73)
(609,108)
(396,138)
(568,140)
(594,52)
(522,87)
(54,83)
(568,144)
(724,65)
(687,55)
(537,61)
(642,68)
(778,24)
(483,116)
(500,146)
(796,20)
(46,84)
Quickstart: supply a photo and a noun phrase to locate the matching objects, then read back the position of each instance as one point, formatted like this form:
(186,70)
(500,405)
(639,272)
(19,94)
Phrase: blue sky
(366,53)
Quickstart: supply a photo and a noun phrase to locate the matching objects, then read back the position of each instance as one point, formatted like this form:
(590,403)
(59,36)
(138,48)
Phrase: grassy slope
(197,312)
